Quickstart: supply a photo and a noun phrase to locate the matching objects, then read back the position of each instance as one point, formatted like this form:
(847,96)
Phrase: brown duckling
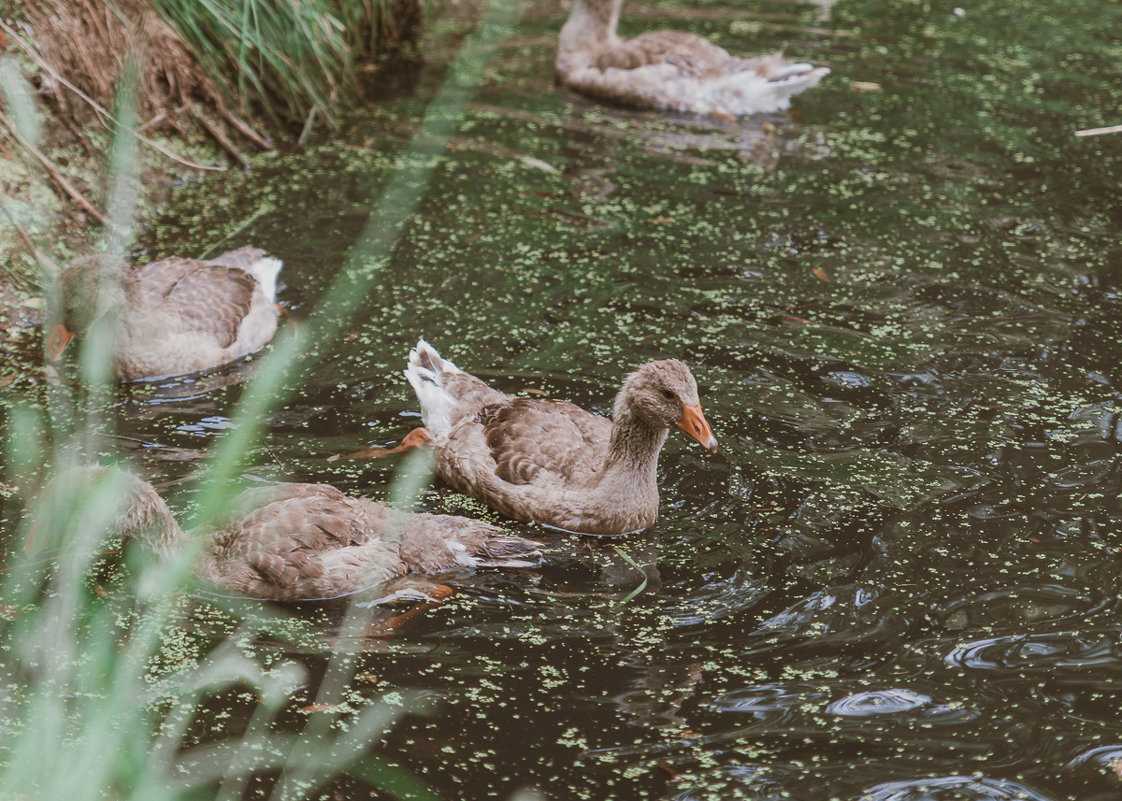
(292,542)
(178,315)
(549,461)
(671,70)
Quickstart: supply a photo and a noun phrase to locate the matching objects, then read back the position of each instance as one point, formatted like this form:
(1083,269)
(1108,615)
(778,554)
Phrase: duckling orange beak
(417,438)
(57,339)
(693,422)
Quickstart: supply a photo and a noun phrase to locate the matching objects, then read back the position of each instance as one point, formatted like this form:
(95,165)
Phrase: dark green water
(900,577)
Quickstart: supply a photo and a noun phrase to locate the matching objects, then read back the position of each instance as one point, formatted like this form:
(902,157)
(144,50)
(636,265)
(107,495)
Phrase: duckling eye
(668,394)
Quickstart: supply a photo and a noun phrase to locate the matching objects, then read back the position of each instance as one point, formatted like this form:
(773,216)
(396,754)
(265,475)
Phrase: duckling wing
(532,440)
(152,282)
(297,540)
(690,53)
(203,297)
(258,498)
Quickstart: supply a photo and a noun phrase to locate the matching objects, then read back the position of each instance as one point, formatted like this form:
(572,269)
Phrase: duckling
(178,315)
(671,70)
(549,461)
(292,542)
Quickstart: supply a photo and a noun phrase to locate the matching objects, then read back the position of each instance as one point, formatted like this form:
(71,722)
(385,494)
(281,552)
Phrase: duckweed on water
(902,309)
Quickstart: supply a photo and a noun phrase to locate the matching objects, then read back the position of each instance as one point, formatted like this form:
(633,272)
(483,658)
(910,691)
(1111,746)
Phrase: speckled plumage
(290,542)
(180,315)
(549,461)
(671,70)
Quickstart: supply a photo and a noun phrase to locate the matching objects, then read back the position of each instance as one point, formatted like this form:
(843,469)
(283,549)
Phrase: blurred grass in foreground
(82,714)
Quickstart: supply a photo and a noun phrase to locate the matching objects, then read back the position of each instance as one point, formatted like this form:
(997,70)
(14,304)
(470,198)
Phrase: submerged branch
(246,130)
(55,175)
(219,136)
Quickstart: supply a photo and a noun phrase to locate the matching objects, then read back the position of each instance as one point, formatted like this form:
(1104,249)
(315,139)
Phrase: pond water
(900,576)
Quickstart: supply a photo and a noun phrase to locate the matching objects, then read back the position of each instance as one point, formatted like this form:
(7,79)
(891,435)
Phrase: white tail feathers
(796,77)
(426,371)
(787,69)
(265,270)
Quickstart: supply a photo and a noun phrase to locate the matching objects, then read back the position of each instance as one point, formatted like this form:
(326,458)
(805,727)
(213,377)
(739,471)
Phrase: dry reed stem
(55,175)
(219,136)
(246,130)
(90,41)
(1099,131)
(103,115)
(85,45)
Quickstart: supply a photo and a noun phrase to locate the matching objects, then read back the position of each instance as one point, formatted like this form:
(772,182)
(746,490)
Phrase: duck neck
(151,522)
(591,26)
(632,461)
(93,289)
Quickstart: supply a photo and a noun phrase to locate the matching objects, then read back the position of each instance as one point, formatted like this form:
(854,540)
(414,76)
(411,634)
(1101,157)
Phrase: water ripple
(878,702)
(1039,651)
(774,702)
(1099,772)
(951,788)
(718,599)
(850,614)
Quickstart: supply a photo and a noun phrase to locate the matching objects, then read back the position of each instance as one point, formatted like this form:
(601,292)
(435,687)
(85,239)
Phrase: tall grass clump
(209,61)
(288,59)
(95,700)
